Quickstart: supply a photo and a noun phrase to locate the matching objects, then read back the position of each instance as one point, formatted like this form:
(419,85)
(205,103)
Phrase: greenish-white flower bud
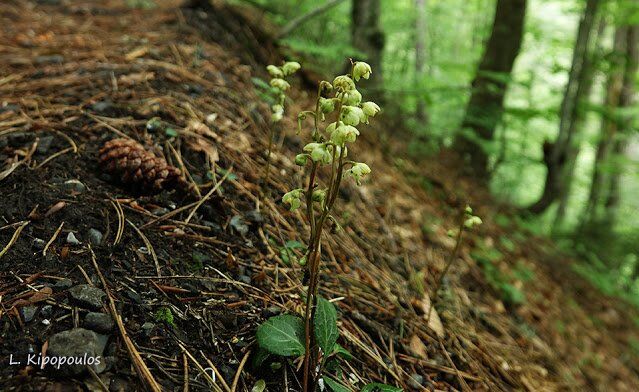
(280,84)
(344,83)
(301,159)
(319,195)
(274,71)
(361,70)
(291,67)
(352,98)
(370,108)
(325,88)
(358,171)
(293,198)
(472,221)
(331,127)
(468,210)
(344,134)
(327,105)
(318,152)
(276,116)
(351,115)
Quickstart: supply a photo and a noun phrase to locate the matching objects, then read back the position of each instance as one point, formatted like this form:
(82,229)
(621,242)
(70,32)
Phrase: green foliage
(377,387)
(335,386)
(282,335)
(489,259)
(164,315)
(325,325)
(287,252)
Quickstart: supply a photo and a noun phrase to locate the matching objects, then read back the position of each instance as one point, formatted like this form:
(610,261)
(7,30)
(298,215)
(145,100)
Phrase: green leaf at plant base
(259,386)
(325,325)
(335,386)
(377,387)
(282,335)
(342,352)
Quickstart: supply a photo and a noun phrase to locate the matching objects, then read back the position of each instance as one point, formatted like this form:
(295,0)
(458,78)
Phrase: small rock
(71,239)
(62,284)
(38,244)
(86,295)
(254,217)
(29,312)
(271,311)
(83,346)
(75,186)
(239,225)
(46,311)
(416,381)
(95,237)
(210,119)
(102,106)
(44,144)
(98,322)
(245,279)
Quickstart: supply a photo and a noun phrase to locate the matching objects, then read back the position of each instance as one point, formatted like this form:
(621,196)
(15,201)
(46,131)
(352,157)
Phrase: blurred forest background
(537,95)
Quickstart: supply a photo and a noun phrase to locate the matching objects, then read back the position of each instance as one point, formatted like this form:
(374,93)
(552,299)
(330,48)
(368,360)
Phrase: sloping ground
(77,73)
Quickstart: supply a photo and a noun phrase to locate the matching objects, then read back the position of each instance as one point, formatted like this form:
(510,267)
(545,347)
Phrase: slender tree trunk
(486,104)
(367,37)
(556,154)
(577,123)
(625,121)
(608,128)
(420,60)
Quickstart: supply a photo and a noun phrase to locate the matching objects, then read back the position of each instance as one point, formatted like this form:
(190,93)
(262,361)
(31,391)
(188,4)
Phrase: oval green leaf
(282,335)
(325,325)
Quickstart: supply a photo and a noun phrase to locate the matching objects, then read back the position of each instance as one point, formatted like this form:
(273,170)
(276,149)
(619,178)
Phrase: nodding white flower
(274,71)
(344,83)
(280,84)
(277,116)
(327,105)
(468,210)
(301,159)
(318,152)
(352,98)
(358,171)
(370,108)
(325,88)
(291,67)
(344,134)
(331,127)
(351,115)
(319,195)
(293,198)
(472,221)
(361,70)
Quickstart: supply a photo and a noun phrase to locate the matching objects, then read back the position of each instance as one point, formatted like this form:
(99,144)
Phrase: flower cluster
(329,142)
(279,84)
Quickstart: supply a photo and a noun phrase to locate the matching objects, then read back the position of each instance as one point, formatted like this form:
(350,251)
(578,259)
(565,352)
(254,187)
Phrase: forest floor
(512,314)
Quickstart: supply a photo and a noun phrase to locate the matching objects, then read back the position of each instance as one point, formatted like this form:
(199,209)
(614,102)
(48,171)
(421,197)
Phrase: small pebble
(62,284)
(88,296)
(98,322)
(44,144)
(71,239)
(75,186)
(95,237)
(29,312)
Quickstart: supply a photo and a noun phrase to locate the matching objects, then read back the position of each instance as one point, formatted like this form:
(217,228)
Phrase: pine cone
(128,159)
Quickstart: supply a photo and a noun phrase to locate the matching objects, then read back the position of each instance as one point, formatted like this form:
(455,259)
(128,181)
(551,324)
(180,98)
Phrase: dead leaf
(138,52)
(434,323)
(417,347)
(135,78)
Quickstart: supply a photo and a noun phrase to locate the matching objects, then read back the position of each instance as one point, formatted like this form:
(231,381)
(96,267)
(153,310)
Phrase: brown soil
(85,72)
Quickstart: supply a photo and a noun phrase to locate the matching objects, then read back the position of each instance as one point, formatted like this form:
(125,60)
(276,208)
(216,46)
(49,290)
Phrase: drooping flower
(361,70)
(358,171)
(344,134)
(370,108)
(344,83)
(293,198)
(280,84)
(351,115)
(291,67)
(318,152)
(275,71)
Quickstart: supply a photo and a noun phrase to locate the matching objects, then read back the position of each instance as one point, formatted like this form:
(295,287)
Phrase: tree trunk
(591,213)
(368,38)
(420,60)
(486,104)
(556,154)
(577,123)
(625,122)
